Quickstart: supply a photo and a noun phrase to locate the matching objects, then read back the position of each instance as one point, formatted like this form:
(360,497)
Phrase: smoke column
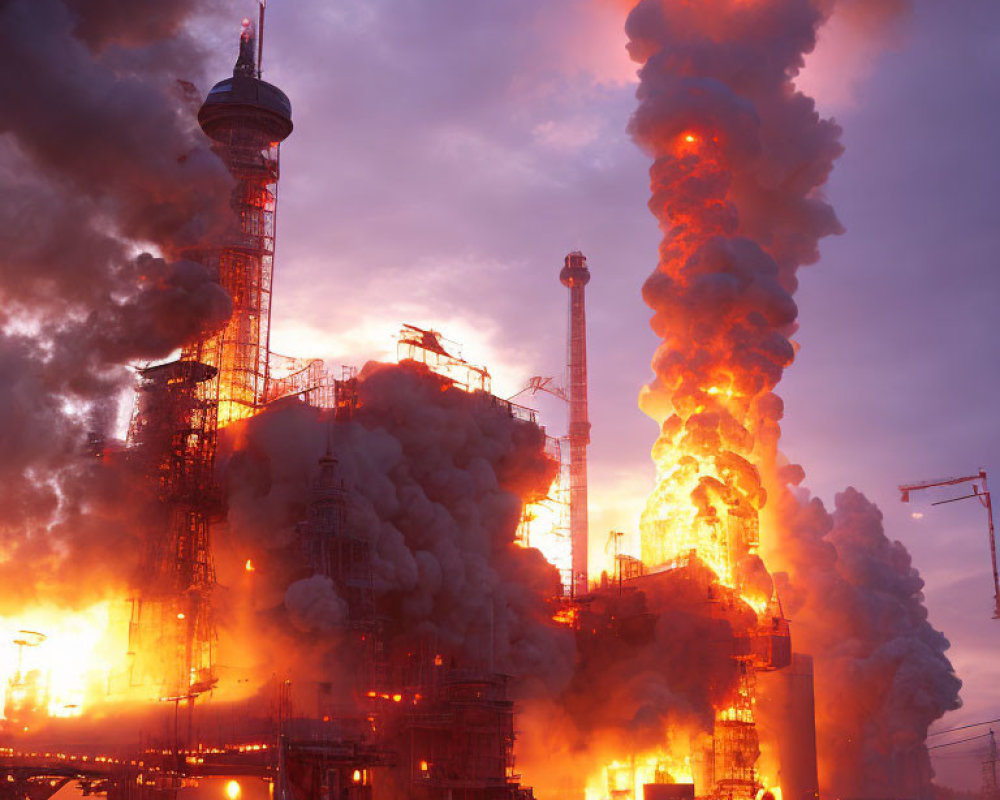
(740,159)
(108,184)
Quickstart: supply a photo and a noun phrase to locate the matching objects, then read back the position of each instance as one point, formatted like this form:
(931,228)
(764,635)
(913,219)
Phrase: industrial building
(421,722)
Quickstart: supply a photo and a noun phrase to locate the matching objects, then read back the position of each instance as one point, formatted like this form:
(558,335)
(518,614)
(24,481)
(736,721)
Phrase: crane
(980,491)
(539,383)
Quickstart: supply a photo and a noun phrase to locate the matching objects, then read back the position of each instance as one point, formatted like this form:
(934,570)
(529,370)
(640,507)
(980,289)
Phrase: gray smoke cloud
(435,481)
(435,484)
(882,676)
(314,605)
(653,662)
(108,185)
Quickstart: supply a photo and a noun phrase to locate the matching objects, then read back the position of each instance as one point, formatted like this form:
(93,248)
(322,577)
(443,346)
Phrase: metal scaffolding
(247,119)
(173,435)
(220,378)
(306,378)
(443,357)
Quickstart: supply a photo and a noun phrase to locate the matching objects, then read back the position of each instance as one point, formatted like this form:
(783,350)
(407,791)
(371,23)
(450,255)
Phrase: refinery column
(576,276)
(247,119)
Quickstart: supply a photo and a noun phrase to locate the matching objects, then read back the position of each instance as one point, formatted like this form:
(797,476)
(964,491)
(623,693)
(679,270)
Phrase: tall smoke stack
(247,119)
(576,276)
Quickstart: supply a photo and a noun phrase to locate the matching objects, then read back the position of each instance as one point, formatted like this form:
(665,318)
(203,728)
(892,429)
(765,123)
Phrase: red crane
(980,492)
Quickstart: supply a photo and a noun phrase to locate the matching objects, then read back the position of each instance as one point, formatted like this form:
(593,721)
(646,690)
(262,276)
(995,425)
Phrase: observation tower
(247,119)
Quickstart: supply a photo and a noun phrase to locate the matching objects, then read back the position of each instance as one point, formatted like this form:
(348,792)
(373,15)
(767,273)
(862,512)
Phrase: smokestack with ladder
(576,276)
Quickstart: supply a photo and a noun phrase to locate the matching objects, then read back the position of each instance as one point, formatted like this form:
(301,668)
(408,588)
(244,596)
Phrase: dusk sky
(447,155)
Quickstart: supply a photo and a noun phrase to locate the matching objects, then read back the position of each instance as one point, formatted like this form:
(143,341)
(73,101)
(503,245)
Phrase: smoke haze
(102,161)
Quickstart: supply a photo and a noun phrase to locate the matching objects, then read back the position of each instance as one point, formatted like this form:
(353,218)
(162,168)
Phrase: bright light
(917,515)
(233,790)
(357,776)
(54,662)
(249,567)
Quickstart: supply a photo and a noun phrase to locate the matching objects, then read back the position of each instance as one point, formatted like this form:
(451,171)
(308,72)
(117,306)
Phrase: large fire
(708,493)
(626,778)
(60,663)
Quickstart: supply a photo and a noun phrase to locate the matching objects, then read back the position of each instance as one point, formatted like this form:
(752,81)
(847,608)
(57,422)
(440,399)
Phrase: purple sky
(448,154)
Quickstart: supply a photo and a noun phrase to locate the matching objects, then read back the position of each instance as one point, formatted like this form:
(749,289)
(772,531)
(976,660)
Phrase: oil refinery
(377,581)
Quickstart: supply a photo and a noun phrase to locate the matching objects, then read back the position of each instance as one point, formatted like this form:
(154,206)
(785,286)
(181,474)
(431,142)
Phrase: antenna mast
(260,38)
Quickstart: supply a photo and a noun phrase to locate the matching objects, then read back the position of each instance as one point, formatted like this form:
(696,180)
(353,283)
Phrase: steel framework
(307,378)
(247,119)
(220,378)
(442,356)
(173,434)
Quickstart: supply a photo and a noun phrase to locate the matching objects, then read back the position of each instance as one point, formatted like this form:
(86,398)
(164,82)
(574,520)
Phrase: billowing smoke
(740,159)
(435,480)
(111,191)
(653,663)
(881,674)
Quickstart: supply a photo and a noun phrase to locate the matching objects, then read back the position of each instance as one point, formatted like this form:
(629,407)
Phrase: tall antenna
(260,38)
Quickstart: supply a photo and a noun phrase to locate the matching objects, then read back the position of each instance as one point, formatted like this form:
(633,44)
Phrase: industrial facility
(379,584)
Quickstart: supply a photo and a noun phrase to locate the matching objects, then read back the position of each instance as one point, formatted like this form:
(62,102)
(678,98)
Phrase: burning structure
(337,582)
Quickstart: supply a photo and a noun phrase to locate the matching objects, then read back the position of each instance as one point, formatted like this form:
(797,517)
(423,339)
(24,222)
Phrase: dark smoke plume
(435,482)
(653,662)
(108,184)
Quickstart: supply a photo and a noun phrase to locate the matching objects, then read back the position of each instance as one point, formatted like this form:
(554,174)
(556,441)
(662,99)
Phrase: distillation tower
(575,276)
